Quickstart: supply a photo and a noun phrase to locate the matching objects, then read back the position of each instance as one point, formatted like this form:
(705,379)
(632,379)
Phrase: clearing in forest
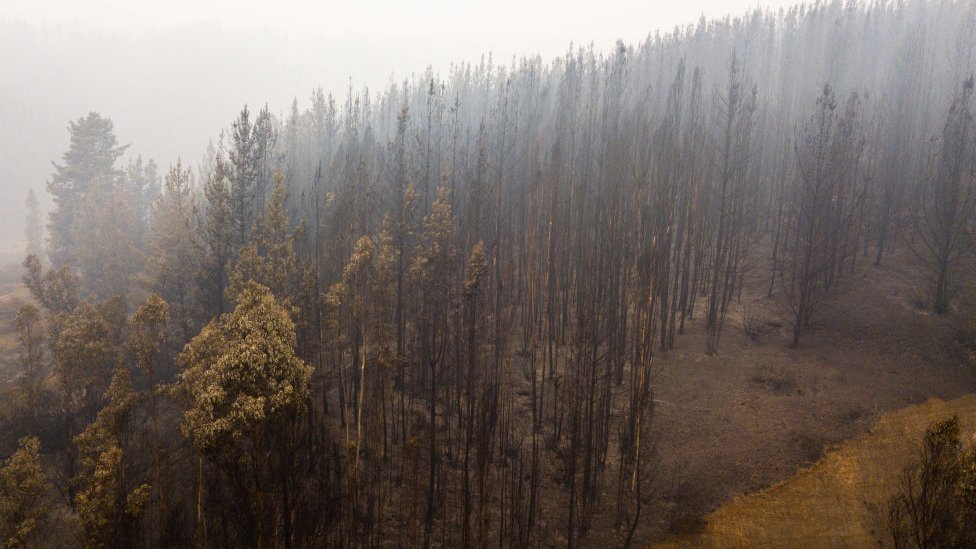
(840,501)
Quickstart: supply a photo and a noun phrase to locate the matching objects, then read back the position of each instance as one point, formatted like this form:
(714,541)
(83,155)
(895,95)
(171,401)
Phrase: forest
(436,314)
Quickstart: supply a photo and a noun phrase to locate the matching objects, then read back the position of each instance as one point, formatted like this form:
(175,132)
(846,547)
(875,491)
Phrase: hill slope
(839,501)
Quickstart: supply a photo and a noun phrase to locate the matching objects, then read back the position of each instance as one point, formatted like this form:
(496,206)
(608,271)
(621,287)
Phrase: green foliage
(89,161)
(100,214)
(22,489)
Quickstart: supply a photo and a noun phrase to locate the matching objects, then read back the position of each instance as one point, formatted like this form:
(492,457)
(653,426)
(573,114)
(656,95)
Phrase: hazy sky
(172,73)
(544,25)
(414,33)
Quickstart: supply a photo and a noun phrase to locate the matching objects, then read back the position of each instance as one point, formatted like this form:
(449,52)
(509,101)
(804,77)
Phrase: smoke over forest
(577,301)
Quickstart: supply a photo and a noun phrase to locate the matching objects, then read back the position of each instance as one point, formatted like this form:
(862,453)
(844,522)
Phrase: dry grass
(840,501)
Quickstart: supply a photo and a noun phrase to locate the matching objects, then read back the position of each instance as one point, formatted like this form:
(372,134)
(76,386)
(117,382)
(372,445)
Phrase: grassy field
(840,501)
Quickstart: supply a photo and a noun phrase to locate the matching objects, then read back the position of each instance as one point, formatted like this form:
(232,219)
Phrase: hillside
(739,438)
(838,502)
(580,301)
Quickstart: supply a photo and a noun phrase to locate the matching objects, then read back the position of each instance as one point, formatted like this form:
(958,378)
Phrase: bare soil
(842,500)
(735,423)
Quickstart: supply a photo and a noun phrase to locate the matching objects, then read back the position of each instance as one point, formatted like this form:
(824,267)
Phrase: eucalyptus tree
(23,510)
(109,502)
(146,342)
(245,387)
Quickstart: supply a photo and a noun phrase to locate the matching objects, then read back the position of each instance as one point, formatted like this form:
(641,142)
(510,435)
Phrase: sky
(417,33)
(171,74)
(544,25)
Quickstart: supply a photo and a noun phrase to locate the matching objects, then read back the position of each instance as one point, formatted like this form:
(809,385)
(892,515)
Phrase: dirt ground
(842,500)
(738,422)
